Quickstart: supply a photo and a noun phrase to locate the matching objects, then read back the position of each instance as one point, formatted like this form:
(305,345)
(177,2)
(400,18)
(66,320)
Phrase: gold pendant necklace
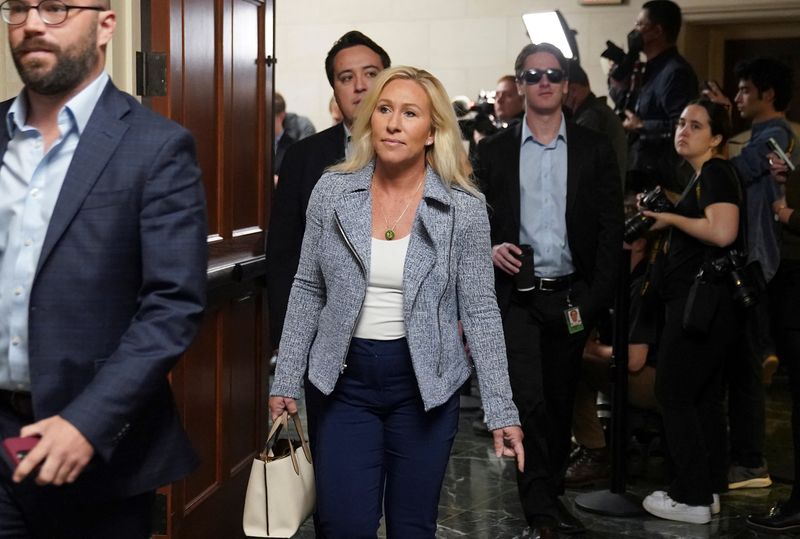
(390,234)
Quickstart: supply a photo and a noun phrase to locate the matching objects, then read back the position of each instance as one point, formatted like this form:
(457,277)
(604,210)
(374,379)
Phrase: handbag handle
(277,426)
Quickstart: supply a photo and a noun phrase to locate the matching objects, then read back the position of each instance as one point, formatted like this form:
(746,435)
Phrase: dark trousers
(689,387)
(377,448)
(544,366)
(28,511)
(746,396)
(784,294)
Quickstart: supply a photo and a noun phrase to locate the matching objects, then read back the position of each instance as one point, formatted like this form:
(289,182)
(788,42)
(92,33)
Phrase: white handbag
(280,492)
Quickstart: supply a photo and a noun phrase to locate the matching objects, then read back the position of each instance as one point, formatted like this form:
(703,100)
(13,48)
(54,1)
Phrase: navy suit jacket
(302,167)
(118,294)
(594,214)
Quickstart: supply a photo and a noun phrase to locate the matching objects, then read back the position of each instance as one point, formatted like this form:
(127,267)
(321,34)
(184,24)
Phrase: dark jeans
(746,396)
(689,388)
(544,365)
(785,289)
(28,511)
(376,447)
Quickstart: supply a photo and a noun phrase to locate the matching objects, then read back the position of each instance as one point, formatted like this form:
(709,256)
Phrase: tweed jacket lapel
(97,144)
(431,235)
(354,214)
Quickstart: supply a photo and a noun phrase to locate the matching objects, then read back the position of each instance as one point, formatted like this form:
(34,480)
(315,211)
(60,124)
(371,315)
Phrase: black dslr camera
(623,62)
(743,283)
(654,200)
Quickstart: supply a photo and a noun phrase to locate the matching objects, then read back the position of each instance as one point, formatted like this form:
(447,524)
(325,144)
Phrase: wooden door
(220,87)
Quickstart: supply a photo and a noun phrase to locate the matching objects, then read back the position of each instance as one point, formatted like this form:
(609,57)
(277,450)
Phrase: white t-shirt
(382,313)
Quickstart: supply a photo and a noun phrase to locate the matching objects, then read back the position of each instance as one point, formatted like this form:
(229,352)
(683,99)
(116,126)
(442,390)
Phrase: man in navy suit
(553,186)
(351,65)
(102,282)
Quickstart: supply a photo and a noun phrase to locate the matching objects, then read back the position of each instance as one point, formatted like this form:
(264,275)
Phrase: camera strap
(685,192)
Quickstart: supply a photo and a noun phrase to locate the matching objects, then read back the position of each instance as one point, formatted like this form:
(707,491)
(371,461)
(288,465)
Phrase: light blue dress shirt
(30,182)
(348,145)
(543,202)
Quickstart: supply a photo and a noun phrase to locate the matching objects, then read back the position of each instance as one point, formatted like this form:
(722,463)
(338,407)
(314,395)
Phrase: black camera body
(654,200)
(744,284)
(623,61)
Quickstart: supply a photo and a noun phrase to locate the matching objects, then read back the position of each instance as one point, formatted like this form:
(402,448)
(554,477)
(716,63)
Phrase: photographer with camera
(667,85)
(692,283)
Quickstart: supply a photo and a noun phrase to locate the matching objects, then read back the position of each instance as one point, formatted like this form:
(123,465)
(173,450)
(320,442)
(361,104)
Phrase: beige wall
(468,44)
(121,52)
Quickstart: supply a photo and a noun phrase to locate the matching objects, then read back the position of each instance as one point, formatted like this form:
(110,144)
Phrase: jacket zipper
(440,363)
(343,365)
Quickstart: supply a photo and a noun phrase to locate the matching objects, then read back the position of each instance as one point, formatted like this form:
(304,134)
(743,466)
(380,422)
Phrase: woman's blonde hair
(446,156)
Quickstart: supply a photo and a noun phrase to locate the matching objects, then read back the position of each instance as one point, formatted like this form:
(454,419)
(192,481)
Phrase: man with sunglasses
(102,283)
(554,186)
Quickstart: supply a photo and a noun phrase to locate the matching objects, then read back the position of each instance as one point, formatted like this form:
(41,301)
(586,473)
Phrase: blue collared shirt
(30,182)
(763,233)
(543,202)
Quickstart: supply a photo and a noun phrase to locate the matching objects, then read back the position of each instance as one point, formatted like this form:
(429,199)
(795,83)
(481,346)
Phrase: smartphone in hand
(775,147)
(15,449)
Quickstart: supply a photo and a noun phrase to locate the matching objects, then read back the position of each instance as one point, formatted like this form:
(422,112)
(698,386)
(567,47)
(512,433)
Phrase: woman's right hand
(661,220)
(277,405)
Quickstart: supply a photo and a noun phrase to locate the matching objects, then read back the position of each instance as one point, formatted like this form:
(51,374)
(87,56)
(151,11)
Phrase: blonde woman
(396,252)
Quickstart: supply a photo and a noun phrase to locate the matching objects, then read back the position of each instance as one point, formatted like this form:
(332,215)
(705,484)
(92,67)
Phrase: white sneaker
(665,507)
(715,505)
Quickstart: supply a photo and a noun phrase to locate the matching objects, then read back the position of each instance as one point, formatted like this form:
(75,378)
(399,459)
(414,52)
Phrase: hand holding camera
(652,202)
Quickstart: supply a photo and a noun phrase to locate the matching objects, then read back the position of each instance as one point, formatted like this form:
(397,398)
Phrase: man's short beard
(72,67)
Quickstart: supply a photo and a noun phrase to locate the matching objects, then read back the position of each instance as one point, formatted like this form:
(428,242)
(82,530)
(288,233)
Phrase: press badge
(574,320)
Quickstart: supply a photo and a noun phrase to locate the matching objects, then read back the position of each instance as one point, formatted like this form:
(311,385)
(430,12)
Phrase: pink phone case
(15,449)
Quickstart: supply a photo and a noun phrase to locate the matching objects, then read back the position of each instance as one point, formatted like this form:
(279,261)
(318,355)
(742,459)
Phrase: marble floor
(479,498)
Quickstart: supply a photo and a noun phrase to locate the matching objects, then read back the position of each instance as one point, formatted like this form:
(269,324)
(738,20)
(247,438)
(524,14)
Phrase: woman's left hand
(508,443)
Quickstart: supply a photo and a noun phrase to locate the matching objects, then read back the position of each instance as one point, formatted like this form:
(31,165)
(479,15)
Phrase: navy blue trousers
(376,447)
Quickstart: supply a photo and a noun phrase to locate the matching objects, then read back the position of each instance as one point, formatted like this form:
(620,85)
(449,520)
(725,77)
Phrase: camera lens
(636,227)
(742,294)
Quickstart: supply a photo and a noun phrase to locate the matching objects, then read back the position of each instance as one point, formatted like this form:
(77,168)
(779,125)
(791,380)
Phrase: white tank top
(382,313)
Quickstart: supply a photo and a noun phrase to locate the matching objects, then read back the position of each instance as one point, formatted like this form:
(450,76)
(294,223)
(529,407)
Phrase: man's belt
(552,284)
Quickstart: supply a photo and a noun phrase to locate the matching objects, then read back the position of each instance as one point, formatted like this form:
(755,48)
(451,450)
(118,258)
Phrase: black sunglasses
(533,76)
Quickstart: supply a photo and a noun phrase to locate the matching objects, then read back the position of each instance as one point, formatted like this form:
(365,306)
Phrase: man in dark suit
(554,186)
(102,283)
(351,65)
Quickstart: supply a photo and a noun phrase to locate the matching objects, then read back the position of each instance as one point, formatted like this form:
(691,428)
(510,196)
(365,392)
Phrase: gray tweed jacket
(447,276)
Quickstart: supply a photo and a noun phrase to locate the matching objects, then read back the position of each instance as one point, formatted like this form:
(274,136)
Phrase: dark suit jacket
(280,152)
(302,167)
(118,294)
(594,207)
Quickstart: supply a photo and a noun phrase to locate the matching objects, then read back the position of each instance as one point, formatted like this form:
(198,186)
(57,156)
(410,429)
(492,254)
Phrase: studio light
(551,27)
